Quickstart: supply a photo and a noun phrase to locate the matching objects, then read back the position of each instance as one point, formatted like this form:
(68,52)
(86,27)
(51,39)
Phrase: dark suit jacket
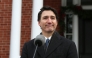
(59,47)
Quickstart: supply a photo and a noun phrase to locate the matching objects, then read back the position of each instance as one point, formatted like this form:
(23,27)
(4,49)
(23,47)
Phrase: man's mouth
(49,25)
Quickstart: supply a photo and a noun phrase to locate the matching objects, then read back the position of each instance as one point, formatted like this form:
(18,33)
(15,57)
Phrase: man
(59,47)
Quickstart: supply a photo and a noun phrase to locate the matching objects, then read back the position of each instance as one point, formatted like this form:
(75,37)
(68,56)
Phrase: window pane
(86,2)
(69,2)
(68,24)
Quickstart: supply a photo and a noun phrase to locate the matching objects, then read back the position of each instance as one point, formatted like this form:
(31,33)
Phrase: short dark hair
(47,8)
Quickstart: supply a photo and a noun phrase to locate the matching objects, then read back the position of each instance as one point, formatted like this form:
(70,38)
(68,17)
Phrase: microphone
(38,41)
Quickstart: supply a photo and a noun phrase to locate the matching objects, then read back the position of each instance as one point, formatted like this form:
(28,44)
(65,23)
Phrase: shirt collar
(48,38)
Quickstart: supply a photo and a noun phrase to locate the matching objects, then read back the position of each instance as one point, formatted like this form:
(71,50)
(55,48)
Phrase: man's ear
(38,23)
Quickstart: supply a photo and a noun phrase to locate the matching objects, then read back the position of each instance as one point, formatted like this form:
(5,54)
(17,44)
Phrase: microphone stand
(35,51)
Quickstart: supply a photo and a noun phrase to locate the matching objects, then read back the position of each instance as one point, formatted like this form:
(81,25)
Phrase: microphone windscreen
(39,40)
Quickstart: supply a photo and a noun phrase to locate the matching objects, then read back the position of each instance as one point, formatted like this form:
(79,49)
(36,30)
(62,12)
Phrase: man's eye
(45,17)
(52,17)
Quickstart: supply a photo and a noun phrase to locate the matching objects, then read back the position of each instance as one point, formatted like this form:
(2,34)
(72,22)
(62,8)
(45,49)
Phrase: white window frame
(86,7)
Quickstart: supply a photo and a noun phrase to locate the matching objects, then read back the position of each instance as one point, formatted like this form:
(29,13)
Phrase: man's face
(48,21)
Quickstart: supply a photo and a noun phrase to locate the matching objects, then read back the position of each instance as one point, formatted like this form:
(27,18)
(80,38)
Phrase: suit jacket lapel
(41,51)
(54,43)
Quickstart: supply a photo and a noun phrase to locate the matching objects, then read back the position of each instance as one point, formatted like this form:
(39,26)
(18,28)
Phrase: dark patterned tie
(46,44)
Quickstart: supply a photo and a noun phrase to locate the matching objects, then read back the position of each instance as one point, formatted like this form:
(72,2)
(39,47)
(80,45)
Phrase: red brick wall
(53,3)
(5,26)
(26,21)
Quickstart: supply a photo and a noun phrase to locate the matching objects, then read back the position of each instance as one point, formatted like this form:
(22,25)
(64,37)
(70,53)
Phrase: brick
(5,23)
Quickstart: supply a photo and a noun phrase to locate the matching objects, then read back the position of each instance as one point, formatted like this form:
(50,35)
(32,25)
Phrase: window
(86,2)
(69,2)
(68,26)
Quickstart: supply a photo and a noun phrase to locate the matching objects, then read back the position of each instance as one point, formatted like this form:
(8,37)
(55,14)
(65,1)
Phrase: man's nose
(49,20)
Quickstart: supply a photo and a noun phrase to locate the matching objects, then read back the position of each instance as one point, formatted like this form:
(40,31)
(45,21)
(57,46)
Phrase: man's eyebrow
(45,16)
(52,16)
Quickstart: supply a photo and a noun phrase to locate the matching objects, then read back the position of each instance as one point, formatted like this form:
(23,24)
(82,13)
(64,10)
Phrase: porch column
(75,30)
(35,30)
(15,29)
(76,2)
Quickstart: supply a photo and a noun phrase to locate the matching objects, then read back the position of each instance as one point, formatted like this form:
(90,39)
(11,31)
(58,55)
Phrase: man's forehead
(48,13)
